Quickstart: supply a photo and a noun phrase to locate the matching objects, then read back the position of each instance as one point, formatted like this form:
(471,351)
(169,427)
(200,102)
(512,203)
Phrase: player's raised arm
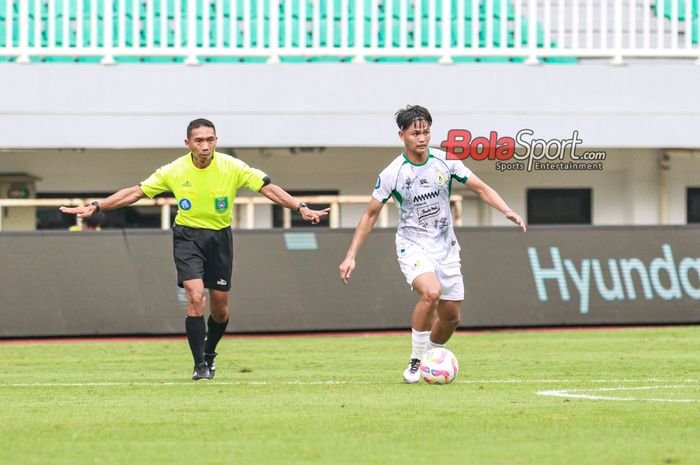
(364,227)
(491,197)
(119,199)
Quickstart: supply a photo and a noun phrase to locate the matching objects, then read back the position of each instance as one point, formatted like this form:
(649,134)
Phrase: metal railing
(244,213)
(357,30)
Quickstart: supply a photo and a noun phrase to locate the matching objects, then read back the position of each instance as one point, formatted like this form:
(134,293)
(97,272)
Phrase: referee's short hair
(198,123)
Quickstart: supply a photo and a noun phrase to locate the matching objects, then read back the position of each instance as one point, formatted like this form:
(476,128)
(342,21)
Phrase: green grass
(340,400)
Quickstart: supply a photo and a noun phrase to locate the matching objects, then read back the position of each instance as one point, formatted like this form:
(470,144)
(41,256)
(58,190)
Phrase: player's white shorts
(414,262)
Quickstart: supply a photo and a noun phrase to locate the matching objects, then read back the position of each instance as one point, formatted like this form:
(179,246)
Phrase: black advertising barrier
(582,276)
(123,282)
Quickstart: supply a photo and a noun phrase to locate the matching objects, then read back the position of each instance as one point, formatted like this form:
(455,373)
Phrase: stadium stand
(309,31)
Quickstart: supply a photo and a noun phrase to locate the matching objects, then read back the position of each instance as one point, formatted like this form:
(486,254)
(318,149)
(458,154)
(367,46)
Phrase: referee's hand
(81,212)
(314,216)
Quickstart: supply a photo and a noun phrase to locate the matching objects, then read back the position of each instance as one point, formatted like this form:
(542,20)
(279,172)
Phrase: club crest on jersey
(441,178)
(221,204)
(184,204)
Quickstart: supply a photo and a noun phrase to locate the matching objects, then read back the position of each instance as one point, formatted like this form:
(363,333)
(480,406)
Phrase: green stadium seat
(494,60)
(165,14)
(222,60)
(510,9)
(294,59)
(464,59)
(327,59)
(668,9)
(390,59)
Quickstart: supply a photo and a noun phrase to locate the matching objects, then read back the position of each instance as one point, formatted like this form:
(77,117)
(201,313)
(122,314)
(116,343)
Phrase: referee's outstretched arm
(119,199)
(282,198)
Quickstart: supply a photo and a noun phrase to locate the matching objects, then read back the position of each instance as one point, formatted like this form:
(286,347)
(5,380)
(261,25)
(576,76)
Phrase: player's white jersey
(422,194)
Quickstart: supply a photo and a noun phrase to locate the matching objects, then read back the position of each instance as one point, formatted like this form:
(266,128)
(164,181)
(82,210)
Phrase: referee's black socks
(216,331)
(195,329)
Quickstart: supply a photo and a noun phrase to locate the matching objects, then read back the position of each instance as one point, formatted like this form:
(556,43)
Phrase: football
(438,366)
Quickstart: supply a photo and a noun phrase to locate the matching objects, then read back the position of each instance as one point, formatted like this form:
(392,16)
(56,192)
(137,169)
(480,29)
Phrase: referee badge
(221,204)
(184,204)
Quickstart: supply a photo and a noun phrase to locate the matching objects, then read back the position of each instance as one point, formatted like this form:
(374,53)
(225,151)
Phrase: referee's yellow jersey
(204,196)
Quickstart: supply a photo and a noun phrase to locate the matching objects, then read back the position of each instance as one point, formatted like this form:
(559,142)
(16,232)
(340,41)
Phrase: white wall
(642,105)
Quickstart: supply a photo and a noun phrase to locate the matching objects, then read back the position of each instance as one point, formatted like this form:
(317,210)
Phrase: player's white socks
(419,339)
(430,345)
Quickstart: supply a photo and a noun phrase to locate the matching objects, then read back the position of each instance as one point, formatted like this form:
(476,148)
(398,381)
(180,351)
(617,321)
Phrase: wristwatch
(301,205)
(96,205)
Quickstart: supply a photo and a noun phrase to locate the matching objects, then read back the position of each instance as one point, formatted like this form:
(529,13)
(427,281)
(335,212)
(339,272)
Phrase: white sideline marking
(571,393)
(334,382)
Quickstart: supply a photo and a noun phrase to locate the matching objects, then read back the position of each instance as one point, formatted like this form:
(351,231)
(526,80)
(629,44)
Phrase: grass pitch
(566,397)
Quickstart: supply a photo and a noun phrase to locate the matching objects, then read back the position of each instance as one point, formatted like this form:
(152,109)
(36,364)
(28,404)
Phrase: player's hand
(314,216)
(515,218)
(346,269)
(82,212)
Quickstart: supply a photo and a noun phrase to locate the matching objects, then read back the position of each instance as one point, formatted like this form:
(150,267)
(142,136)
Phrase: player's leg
(447,320)
(448,309)
(428,288)
(420,274)
(217,323)
(195,327)
(217,278)
(189,263)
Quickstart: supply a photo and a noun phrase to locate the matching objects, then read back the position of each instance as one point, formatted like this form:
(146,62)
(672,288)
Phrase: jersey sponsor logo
(427,196)
(441,178)
(428,212)
(378,184)
(184,204)
(221,204)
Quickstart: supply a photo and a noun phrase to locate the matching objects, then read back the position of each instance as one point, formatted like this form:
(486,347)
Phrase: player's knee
(452,320)
(431,296)
(196,299)
(219,313)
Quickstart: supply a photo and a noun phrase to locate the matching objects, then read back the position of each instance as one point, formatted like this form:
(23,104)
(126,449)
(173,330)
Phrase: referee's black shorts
(203,254)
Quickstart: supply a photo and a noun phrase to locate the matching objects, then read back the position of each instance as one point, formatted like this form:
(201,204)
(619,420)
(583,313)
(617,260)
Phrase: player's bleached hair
(405,117)
(198,123)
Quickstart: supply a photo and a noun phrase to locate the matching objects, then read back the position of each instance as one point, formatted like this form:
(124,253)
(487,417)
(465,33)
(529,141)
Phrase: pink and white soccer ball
(438,366)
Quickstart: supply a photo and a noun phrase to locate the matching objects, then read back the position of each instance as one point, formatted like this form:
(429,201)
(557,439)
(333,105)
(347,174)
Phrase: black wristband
(96,204)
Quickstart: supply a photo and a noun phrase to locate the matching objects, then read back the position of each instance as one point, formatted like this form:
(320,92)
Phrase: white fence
(357,30)
(244,208)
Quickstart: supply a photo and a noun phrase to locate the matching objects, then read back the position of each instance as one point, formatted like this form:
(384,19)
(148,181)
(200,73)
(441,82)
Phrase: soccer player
(426,245)
(204,182)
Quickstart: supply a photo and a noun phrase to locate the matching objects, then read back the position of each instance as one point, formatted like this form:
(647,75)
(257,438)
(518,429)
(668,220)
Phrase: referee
(204,183)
